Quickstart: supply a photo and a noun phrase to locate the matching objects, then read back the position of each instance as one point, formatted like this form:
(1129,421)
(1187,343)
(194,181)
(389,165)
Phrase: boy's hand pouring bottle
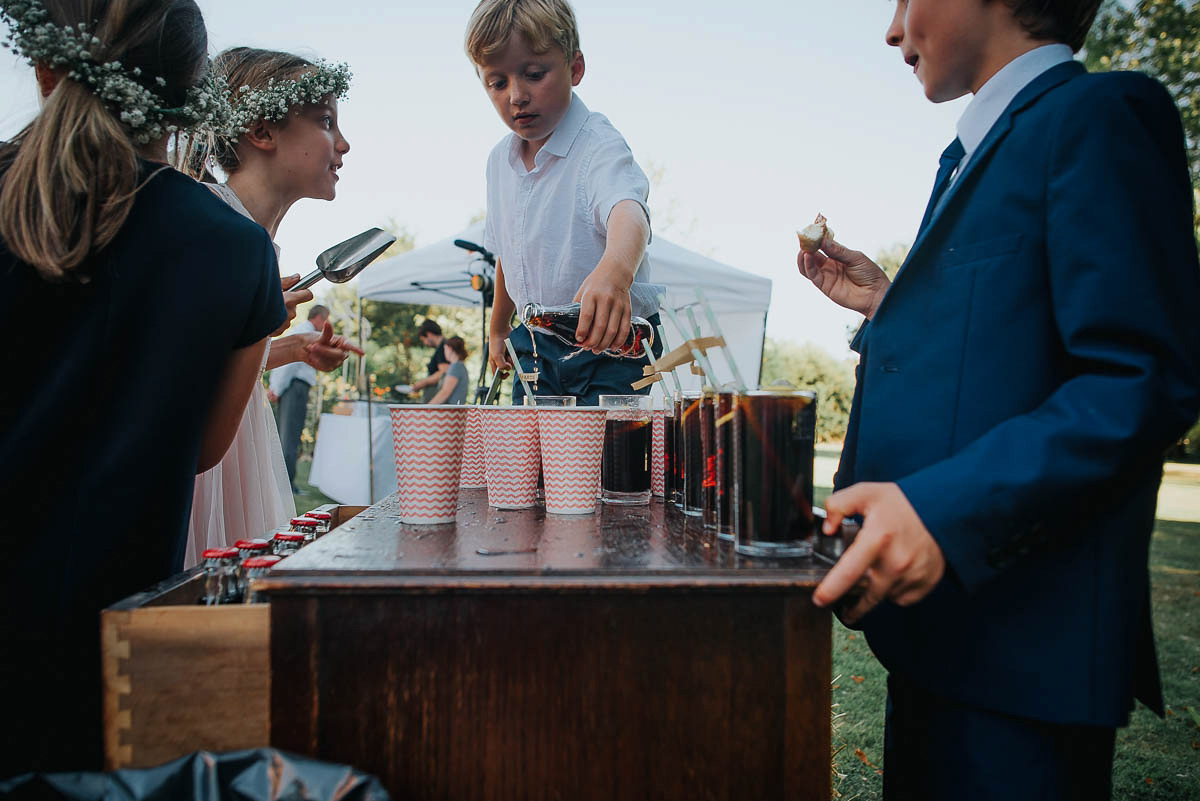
(562,321)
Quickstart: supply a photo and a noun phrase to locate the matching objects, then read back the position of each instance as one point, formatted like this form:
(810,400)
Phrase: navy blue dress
(108,392)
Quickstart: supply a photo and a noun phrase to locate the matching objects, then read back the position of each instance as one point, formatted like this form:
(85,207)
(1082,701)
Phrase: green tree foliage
(1162,39)
(809,367)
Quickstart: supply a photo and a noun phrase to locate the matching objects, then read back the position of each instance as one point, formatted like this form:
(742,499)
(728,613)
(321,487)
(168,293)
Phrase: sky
(756,114)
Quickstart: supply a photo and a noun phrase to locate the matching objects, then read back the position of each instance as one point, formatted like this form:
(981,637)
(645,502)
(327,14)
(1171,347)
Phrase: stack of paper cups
(572,450)
(657,451)
(512,455)
(473,460)
(427,443)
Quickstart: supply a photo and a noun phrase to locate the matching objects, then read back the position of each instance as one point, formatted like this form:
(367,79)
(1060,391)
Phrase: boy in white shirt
(567,216)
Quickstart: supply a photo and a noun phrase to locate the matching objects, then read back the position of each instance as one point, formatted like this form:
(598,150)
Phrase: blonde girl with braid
(287,146)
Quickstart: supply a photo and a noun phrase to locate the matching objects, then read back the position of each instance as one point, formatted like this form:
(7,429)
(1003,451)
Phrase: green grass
(1155,758)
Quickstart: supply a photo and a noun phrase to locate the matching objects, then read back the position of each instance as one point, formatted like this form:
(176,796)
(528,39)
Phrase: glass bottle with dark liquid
(773,440)
(562,321)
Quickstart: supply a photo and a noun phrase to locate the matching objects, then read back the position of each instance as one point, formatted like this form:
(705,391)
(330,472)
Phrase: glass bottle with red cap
(246,550)
(306,526)
(256,567)
(220,575)
(324,521)
(286,543)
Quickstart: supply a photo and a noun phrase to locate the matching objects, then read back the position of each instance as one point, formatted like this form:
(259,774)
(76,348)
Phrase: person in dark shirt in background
(430,334)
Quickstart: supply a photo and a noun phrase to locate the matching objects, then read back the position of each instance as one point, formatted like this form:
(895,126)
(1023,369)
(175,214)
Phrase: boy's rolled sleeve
(613,176)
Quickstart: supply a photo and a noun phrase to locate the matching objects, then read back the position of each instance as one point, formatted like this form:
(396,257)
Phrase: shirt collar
(995,95)
(559,143)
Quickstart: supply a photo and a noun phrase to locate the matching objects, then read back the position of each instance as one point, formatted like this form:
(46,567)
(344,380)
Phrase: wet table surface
(631,546)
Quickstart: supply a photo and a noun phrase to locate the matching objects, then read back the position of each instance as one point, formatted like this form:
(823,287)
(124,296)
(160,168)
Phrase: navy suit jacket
(1020,380)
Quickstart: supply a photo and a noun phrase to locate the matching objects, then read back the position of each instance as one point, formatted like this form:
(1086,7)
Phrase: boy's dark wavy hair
(1066,21)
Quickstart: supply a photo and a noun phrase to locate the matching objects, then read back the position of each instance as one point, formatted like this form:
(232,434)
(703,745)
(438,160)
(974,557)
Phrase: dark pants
(289,417)
(936,749)
(586,375)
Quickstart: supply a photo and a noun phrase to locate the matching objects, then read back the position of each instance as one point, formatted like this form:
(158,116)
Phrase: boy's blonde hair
(545,24)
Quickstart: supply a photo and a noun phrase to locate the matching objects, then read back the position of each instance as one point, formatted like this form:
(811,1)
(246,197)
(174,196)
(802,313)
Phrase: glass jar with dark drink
(693,456)
(773,434)
(723,437)
(562,321)
(676,496)
(708,459)
(625,469)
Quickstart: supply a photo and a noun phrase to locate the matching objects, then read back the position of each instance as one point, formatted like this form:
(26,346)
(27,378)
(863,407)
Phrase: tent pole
(370,412)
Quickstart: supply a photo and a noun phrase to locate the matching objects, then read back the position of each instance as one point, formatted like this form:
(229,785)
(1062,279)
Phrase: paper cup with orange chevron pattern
(427,442)
(512,455)
(473,461)
(572,449)
(657,448)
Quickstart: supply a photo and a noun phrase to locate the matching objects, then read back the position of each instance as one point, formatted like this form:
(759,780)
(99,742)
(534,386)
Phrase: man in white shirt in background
(288,388)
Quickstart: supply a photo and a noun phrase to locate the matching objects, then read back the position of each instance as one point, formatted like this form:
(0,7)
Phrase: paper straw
(697,354)
(512,354)
(716,327)
(705,364)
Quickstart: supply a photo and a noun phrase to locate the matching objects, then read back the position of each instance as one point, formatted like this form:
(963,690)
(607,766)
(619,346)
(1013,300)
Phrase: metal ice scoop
(347,259)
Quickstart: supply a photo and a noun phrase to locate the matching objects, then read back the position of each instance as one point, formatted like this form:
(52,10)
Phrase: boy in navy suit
(1018,383)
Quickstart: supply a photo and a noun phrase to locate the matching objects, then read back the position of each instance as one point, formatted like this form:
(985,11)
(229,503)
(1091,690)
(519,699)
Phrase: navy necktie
(951,157)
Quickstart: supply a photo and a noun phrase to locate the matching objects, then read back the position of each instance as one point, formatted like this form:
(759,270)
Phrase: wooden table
(518,655)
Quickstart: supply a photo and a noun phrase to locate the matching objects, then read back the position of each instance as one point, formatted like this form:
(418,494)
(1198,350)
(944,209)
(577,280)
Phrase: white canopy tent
(440,274)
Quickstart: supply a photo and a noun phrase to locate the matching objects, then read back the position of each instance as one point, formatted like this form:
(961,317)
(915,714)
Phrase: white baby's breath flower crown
(273,101)
(33,35)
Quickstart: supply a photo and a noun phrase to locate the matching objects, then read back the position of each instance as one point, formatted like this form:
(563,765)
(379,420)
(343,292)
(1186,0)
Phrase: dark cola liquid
(676,496)
(773,437)
(563,322)
(708,455)
(626,466)
(724,440)
(693,458)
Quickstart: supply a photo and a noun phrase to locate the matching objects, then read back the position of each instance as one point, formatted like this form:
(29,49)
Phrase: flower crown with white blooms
(206,109)
(272,102)
(140,109)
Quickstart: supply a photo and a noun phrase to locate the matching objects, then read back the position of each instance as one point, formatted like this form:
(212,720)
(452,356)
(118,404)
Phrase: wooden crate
(179,677)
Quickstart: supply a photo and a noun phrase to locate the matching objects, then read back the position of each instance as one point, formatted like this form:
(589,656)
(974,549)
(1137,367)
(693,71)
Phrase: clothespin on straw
(716,328)
(696,352)
(512,354)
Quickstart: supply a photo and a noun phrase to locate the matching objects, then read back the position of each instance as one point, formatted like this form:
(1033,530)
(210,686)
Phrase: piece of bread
(812,235)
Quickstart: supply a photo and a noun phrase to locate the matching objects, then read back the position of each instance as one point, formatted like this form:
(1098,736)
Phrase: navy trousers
(290,415)
(585,375)
(936,749)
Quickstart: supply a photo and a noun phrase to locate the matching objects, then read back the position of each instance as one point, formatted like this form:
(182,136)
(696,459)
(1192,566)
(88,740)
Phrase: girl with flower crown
(288,147)
(126,390)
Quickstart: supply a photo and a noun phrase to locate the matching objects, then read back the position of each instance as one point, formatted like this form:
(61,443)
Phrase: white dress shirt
(548,226)
(995,95)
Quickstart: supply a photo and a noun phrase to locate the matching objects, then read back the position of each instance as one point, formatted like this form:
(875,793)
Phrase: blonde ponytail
(131,71)
(71,184)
